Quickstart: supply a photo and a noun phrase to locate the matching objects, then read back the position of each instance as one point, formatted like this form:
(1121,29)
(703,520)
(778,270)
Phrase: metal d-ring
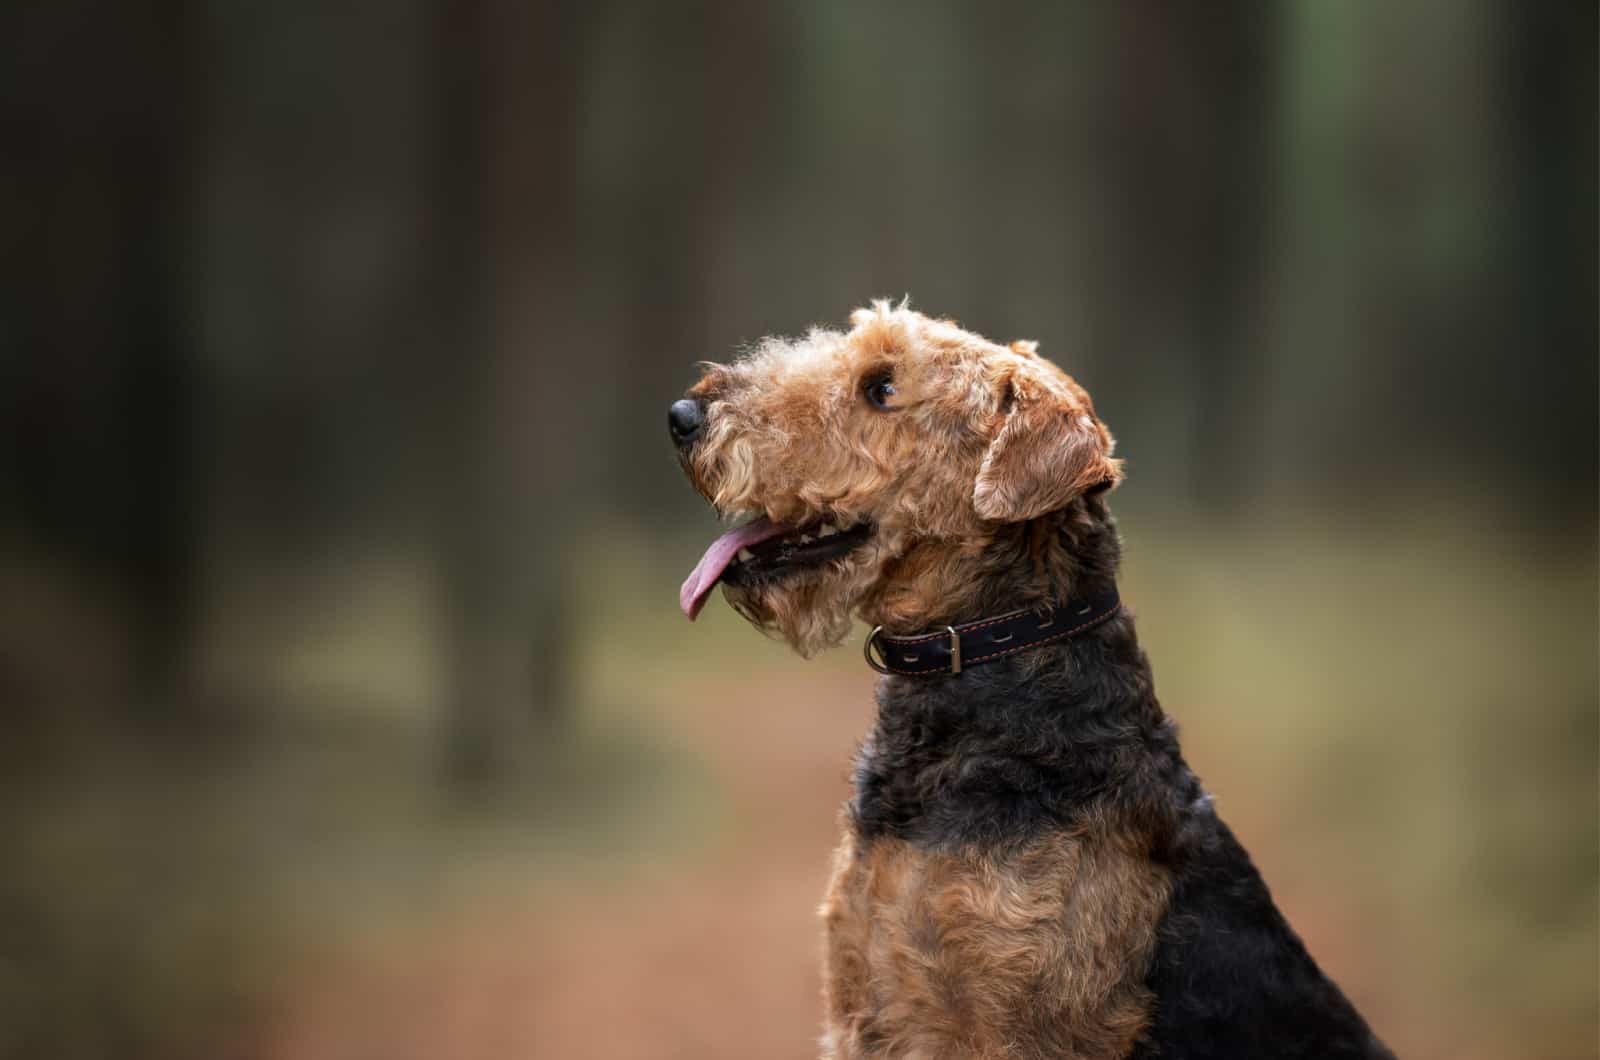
(866,650)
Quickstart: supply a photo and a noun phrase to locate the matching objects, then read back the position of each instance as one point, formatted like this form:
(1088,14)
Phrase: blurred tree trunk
(1549,124)
(515,432)
(1186,129)
(308,271)
(95,347)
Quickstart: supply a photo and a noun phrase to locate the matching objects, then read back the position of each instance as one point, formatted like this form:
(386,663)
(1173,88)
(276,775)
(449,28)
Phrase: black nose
(684,420)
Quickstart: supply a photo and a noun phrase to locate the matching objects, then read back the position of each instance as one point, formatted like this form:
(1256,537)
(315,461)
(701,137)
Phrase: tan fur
(978,436)
(1035,953)
(1032,951)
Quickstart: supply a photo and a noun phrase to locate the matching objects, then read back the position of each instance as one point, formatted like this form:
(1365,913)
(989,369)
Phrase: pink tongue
(692,597)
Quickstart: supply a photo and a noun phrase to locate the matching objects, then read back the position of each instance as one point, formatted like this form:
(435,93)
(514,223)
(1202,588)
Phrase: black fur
(1232,980)
(1026,744)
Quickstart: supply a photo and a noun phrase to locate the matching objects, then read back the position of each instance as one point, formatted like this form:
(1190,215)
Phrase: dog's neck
(1041,735)
(1038,564)
(1034,740)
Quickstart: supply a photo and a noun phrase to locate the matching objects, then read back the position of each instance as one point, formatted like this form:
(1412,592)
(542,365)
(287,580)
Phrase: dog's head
(860,464)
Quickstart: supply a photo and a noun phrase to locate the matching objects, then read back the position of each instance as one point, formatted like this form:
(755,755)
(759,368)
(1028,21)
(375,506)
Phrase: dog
(1028,868)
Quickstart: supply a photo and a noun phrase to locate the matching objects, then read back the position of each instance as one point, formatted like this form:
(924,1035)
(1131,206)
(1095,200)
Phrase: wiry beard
(813,611)
(783,611)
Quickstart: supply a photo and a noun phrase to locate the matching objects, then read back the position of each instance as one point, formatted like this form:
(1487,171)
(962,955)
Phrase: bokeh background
(347,708)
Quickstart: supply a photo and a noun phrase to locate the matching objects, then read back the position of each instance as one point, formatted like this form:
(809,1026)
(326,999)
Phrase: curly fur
(941,475)
(1029,869)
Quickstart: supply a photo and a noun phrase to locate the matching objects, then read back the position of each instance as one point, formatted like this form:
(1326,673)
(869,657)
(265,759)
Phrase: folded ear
(1050,448)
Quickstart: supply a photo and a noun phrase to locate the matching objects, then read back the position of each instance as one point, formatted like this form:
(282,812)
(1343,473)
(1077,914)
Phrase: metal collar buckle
(882,668)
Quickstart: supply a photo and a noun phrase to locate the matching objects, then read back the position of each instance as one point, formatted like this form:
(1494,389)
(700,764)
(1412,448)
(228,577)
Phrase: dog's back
(1231,979)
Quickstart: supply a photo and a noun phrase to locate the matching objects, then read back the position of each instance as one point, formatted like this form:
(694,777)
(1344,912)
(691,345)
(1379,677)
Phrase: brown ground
(708,957)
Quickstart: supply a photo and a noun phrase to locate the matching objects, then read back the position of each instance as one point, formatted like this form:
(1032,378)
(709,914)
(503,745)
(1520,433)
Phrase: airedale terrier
(1028,867)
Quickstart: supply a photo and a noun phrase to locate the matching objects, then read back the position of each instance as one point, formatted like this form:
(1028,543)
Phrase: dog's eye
(879,391)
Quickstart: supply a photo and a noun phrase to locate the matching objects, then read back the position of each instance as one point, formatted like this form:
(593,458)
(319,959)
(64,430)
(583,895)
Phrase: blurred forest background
(347,708)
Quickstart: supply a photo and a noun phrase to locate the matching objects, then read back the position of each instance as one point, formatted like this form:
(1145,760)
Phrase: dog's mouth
(764,551)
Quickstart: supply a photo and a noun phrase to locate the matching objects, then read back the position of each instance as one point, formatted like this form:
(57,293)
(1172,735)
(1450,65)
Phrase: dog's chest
(1039,950)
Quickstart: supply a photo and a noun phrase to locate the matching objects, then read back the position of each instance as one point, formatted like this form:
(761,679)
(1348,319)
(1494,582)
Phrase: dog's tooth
(745,555)
(805,539)
(828,530)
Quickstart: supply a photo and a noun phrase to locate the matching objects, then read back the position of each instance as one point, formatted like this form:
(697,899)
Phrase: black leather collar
(954,648)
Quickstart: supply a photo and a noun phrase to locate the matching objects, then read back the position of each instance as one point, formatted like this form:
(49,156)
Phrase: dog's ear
(1049,449)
